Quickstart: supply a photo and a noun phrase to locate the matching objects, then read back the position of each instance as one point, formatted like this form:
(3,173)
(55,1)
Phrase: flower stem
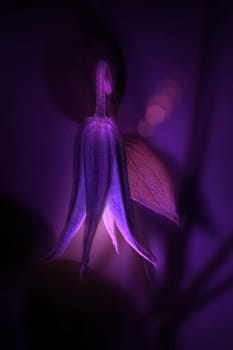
(103,87)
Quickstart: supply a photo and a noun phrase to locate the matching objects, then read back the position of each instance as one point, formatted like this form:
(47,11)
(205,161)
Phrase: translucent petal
(98,161)
(77,211)
(110,226)
(120,205)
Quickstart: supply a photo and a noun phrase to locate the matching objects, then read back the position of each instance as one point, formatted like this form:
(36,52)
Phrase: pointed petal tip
(83,271)
(153,261)
(176,220)
(146,254)
(115,244)
(116,248)
(51,255)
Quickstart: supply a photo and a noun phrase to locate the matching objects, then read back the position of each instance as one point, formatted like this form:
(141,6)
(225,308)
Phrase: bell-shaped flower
(101,188)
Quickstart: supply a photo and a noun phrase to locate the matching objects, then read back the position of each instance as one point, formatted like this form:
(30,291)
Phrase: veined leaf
(149,181)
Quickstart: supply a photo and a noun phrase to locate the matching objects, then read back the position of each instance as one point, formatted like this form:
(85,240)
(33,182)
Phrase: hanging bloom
(102,188)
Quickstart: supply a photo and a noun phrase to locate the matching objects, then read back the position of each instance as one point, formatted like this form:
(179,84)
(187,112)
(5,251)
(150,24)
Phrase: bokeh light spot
(155,114)
(145,129)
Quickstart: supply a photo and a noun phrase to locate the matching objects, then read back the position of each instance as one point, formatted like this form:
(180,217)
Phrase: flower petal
(77,211)
(110,226)
(98,160)
(120,205)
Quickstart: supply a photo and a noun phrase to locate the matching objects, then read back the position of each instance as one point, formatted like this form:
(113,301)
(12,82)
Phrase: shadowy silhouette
(24,238)
(171,305)
(77,40)
(63,312)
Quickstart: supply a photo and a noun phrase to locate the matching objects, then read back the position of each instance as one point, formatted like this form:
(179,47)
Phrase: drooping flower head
(101,188)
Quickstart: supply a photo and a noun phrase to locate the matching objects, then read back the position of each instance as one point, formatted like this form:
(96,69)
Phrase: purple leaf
(149,181)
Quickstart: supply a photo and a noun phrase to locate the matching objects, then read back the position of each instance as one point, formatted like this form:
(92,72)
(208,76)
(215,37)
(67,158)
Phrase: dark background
(178,56)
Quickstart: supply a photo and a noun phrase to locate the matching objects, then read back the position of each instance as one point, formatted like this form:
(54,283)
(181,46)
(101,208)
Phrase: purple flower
(102,188)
